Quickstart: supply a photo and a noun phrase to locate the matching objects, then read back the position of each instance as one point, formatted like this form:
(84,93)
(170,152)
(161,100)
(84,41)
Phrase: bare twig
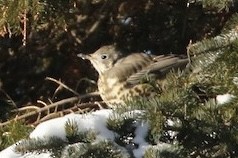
(26,108)
(102,16)
(24,27)
(188,54)
(46,112)
(38,111)
(41,102)
(61,102)
(44,104)
(87,80)
(63,85)
(8,97)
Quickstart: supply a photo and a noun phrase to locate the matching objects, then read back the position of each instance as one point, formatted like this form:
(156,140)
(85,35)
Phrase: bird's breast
(113,84)
(110,88)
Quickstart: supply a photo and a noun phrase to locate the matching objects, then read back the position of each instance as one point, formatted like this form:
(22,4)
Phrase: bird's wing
(128,66)
(158,69)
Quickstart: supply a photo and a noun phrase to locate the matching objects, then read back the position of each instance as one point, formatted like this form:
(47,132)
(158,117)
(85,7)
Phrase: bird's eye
(104,56)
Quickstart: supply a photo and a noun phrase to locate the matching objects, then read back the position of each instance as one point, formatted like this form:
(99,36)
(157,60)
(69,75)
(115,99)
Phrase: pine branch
(218,42)
(214,6)
(31,145)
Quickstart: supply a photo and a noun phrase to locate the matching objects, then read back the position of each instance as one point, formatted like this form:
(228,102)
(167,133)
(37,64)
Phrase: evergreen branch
(96,150)
(12,13)
(31,145)
(74,135)
(204,60)
(214,5)
(215,43)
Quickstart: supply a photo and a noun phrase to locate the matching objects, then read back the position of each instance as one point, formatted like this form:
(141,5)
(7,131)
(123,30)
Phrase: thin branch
(8,97)
(53,105)
(24,27)
(41,102)
(26,108)
(61,102)
(63,85)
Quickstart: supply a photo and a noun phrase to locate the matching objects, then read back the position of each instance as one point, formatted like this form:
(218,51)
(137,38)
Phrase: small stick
(63,85)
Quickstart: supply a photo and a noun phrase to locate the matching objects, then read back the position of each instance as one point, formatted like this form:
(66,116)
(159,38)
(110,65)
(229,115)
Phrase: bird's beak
(84,56)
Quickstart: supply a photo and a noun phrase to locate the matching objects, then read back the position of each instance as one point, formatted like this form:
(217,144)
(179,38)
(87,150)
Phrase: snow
(224,98)
(10,153)
(140,134)
(96,121)
(37,155)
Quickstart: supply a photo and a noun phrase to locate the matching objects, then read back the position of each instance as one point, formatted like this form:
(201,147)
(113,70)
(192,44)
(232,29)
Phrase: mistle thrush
(124,77)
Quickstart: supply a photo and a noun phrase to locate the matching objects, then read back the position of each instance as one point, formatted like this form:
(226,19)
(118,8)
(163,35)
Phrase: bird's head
(104,58)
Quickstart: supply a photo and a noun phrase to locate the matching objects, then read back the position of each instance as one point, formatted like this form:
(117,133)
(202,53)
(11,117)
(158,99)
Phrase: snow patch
(224,98)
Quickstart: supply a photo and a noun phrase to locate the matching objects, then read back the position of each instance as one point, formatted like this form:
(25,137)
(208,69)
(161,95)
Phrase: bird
(126,76)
